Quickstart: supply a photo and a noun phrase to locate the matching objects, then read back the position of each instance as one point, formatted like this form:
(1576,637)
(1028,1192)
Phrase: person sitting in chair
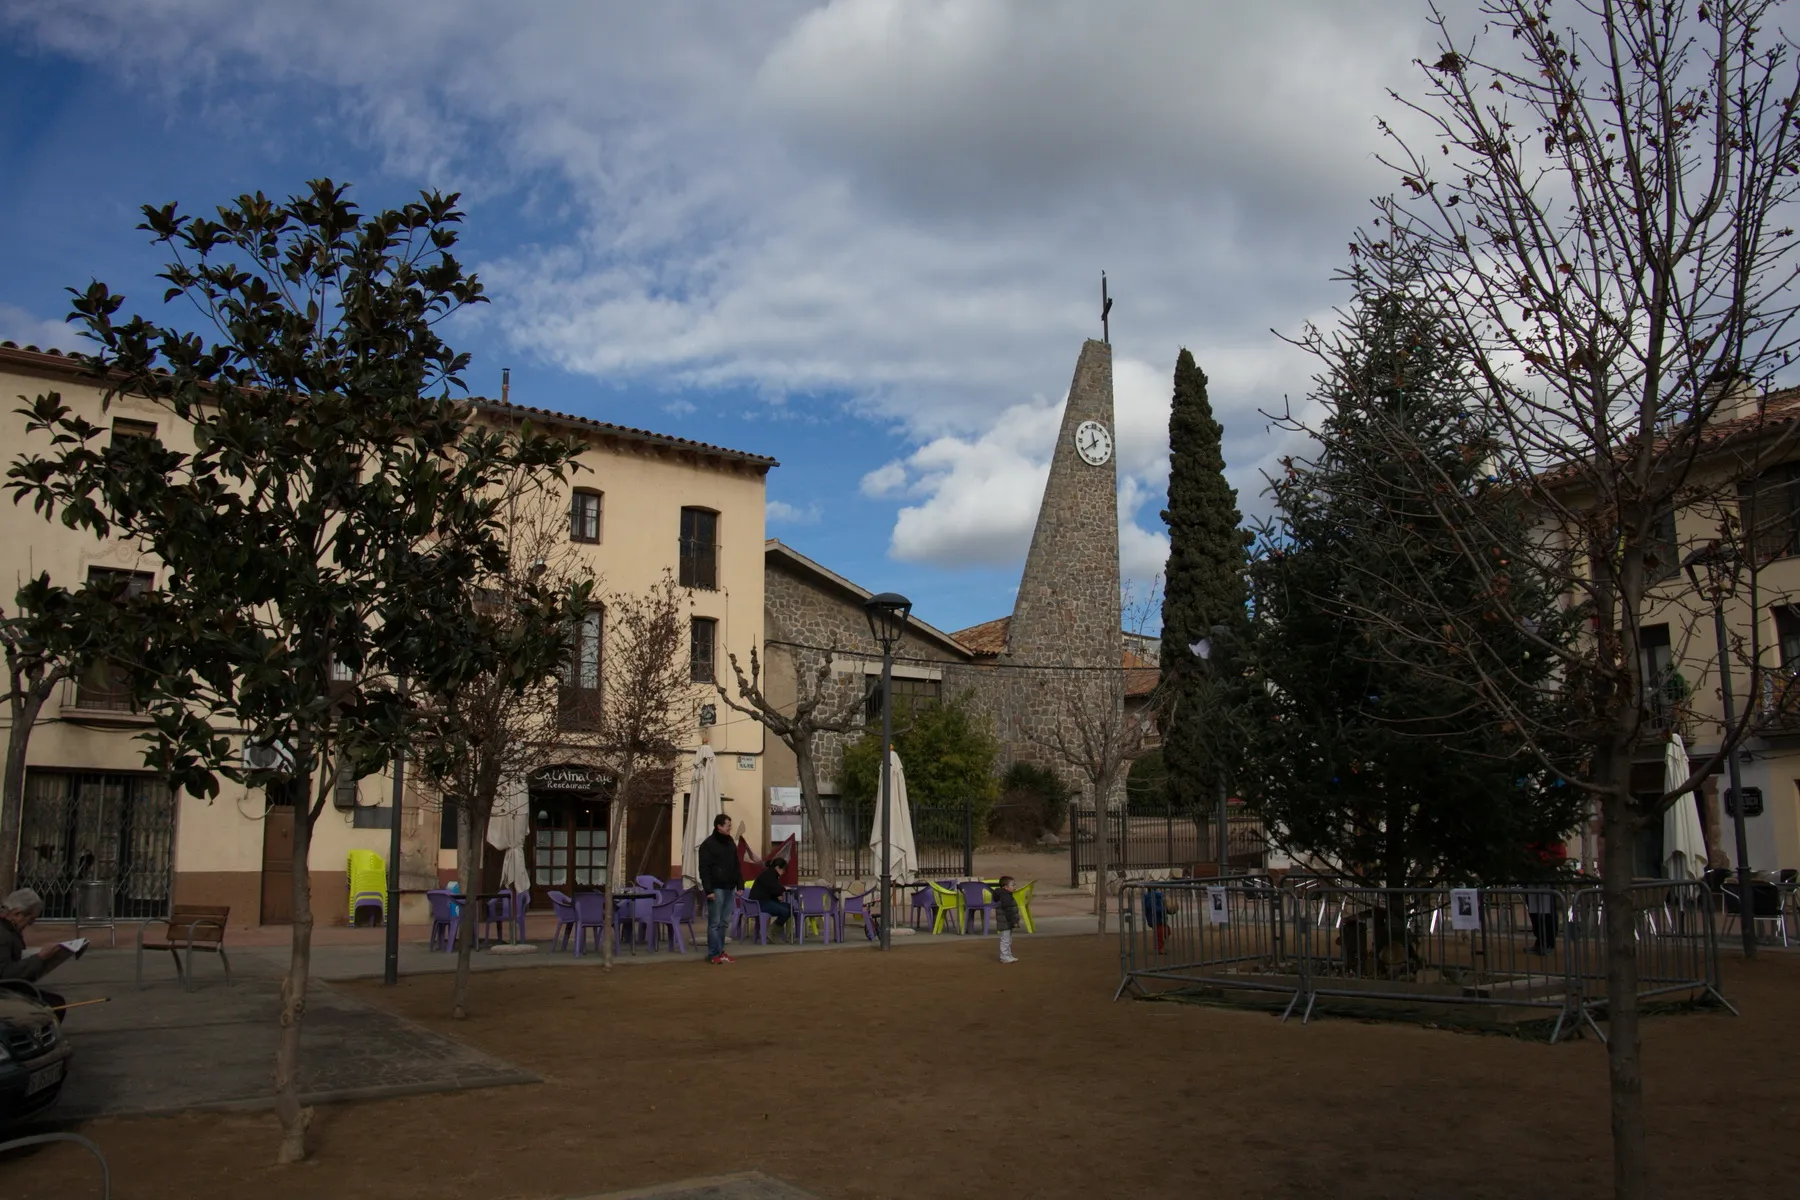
(17,912)
(768,891)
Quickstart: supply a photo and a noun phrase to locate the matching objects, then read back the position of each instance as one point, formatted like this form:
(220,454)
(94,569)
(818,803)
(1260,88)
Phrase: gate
(1150,835)
(114,828)
(943,834)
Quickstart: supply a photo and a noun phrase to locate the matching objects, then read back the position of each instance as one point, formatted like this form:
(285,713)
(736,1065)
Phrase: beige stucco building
(644,503)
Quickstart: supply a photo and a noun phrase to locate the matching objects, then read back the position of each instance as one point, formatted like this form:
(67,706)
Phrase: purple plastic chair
(750,912)
(690,909)
(631,921)
(814,902)
(976,899)
(857,906)
(499,915)
(665,913)
(924,901)
(364,900)
(446,916)
(649,883)
(590,913)
(564,908)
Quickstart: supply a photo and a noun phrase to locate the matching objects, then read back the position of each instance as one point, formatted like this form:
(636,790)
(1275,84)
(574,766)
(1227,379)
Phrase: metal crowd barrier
(1532,947)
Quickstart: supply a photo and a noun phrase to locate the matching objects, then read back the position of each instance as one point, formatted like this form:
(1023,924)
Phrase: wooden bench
(191,927)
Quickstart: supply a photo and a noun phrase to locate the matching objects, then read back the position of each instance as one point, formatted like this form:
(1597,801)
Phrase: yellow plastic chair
(1023,897)
(949,900)
(368,873)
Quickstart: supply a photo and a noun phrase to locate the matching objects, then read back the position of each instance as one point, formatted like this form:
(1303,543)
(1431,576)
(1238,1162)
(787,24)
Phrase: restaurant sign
(571,778)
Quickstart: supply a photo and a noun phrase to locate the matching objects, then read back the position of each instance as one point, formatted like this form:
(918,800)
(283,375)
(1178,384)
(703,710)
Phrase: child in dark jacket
(1006,906)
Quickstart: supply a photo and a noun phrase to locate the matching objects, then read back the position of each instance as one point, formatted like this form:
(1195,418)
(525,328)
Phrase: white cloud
(17,325)
(889,479)
(779,511)
(902,202)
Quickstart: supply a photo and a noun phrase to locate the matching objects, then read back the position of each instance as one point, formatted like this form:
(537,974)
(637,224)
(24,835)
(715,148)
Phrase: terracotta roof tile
(625,432)
(988,640)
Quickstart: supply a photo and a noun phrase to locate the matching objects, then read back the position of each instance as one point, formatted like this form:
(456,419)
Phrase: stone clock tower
(1067,611)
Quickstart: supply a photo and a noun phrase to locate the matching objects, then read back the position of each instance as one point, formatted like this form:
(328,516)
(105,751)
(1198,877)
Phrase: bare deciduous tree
(646,707)
(811,715)
(1597,194)
(492,731)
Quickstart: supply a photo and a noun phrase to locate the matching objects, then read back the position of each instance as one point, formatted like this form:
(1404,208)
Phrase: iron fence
(1142,837)
(943,834)
(1533,951)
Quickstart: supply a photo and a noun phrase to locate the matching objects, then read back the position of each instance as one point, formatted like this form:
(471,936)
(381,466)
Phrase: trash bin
(93,901)
(94,906)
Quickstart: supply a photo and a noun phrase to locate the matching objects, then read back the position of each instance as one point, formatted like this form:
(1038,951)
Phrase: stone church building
(1025,670)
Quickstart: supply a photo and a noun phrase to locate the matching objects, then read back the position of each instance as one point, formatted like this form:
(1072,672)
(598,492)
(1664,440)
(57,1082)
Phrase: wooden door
(278,866)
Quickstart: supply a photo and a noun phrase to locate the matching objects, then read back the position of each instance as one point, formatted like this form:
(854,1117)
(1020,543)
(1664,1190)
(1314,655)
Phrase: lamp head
(887,613)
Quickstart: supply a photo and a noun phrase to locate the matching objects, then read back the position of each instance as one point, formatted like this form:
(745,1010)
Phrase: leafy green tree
(1203,588)
(1362,749)
(948,757)
(319,542)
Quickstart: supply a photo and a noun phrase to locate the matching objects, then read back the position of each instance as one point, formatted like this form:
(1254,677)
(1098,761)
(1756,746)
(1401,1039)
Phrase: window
(373,816)
(1767,507)
(124,428)
(489,601)
(584,516)
(699,548)
(579,702)
(104,684)
(1787,635)
(1662,556)
(1664,689)
(701,641)
(910,695)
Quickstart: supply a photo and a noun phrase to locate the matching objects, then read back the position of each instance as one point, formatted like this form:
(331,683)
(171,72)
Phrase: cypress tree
(1203,587)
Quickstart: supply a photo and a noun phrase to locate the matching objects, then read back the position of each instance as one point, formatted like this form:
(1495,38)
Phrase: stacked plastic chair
(368,883)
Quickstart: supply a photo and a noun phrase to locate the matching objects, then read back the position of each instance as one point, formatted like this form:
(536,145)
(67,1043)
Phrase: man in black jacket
(720,877)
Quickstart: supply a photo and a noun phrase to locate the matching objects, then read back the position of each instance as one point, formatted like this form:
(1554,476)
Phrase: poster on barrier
(1465,909)
(1216,910)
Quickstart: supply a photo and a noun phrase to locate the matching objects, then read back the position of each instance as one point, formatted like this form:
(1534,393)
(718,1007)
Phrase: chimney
(506,385)
(1736,396)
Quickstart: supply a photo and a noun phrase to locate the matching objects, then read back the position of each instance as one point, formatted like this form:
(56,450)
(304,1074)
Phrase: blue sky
(862,237)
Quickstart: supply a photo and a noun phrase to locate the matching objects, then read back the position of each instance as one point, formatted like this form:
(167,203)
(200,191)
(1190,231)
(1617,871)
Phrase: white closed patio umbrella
(704,806)
(904,861)
(508,827)
(1684,844)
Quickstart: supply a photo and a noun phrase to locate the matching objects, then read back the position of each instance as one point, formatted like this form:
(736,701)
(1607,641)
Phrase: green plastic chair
(949,900)
(1023,896)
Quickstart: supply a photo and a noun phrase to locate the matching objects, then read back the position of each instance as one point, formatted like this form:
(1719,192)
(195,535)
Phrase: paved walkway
(165,1049)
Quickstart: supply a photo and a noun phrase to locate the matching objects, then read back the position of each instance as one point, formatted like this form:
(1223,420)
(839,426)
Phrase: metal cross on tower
(1105,311)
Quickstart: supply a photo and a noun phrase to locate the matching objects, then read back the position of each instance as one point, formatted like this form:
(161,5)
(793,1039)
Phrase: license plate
(48,1077)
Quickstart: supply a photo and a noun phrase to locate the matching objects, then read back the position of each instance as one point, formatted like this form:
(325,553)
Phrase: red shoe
(714,960)
(724,958)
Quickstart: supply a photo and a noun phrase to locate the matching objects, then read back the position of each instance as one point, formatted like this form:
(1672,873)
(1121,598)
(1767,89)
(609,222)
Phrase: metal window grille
(118,829)
(702,643)
(699,550)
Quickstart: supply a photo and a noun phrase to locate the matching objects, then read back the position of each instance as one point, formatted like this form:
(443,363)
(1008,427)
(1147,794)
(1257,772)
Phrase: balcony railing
(1778,707)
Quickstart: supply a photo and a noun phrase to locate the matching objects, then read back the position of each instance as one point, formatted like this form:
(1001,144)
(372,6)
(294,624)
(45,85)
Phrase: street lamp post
(1720,575)
(887,615)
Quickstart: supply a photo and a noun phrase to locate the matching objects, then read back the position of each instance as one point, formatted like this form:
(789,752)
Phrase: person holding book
(17,911)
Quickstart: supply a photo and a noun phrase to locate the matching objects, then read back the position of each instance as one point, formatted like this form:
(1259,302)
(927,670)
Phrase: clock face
(1093,443)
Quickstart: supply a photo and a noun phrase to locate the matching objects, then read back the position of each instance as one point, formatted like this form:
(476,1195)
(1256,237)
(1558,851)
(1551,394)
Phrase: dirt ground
(936,1072)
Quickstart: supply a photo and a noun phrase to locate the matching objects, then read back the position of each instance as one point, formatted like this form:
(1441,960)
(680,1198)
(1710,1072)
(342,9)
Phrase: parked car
(34,1055)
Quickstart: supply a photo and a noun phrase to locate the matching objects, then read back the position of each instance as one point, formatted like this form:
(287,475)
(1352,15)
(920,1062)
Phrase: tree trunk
(468,870)
(25,709)
(1624,1070)
(823,841)
(295,1119)
(615,858)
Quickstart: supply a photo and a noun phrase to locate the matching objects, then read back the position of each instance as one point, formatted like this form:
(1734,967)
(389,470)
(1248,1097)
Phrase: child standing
(1008,909)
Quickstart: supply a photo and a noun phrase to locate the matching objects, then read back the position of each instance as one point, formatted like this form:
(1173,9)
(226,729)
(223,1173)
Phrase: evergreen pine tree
(1369,742)
(1203,587)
